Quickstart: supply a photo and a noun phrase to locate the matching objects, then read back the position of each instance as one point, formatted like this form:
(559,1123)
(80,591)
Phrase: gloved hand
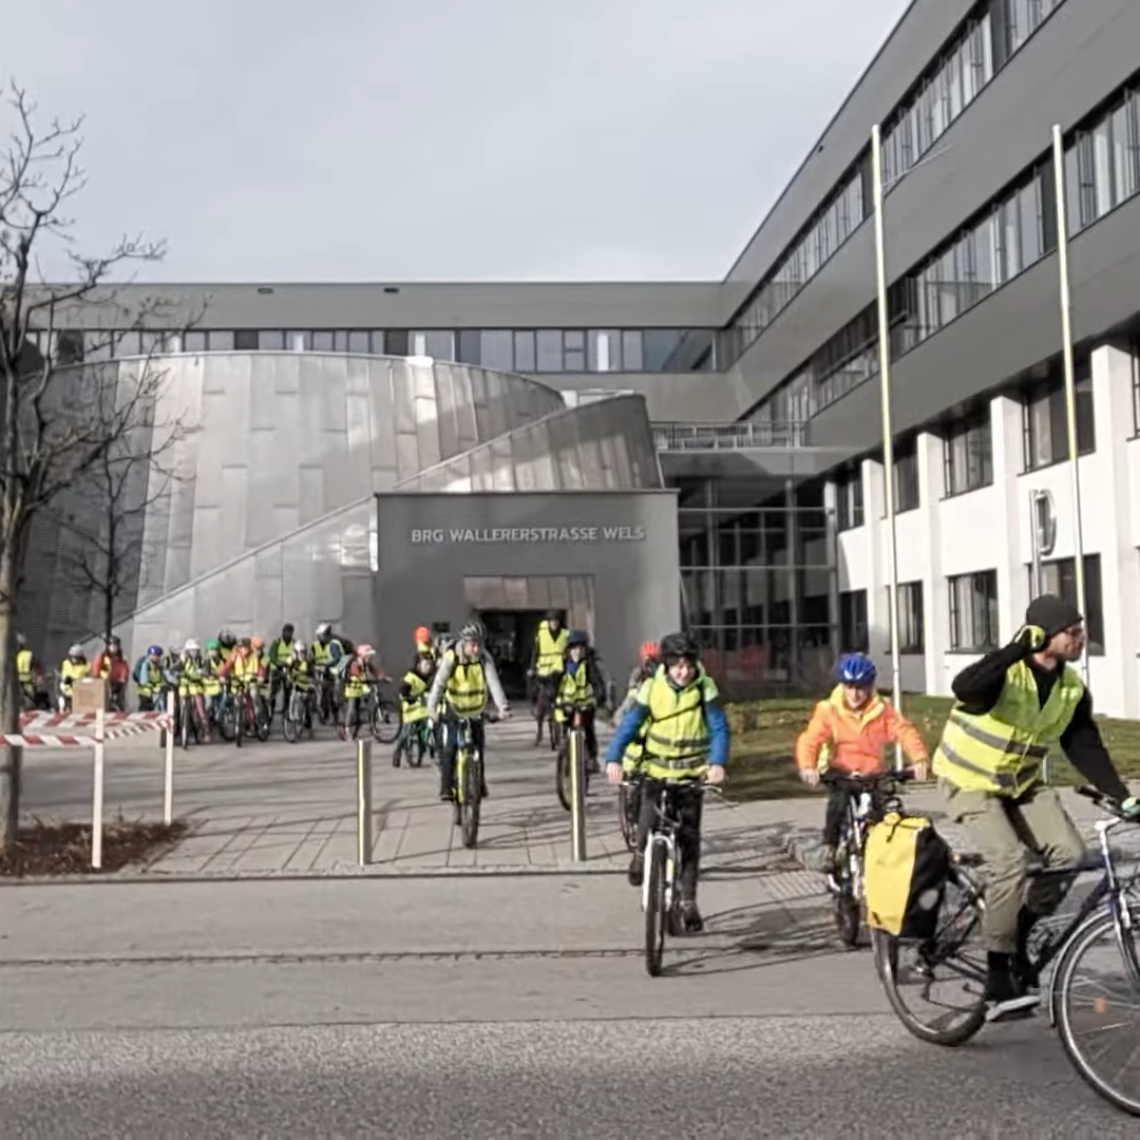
(1131,807)
(1031,638)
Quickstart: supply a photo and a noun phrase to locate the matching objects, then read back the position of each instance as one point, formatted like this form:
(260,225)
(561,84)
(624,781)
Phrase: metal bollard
(577,798)
(97,793)
(364,802)
(167,737)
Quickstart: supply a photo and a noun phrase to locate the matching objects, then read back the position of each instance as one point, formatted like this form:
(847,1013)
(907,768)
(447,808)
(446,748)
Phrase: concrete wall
(635,579)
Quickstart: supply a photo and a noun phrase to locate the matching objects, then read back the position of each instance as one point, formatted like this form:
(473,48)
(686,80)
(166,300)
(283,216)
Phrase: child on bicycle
(299,672)
(413,707)
(848,733)
(686,738)
(581,688)
(649,662)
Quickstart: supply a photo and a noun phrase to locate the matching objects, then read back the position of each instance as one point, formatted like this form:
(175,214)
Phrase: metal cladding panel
(263,395)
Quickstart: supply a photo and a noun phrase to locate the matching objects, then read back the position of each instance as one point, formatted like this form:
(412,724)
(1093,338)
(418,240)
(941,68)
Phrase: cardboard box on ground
(88,695)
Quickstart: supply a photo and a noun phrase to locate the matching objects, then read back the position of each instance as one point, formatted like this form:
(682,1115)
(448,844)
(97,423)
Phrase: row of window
(509,350)
(982,46)
(967,449)
(1102,167)
(972,609)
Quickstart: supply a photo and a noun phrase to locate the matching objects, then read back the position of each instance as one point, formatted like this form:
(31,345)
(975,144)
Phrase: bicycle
(568,737)
(660,894)
(421,740)
(251,716)
(467,783)
(188,717)
(383,710)
(299,712)
(629,808)
(868,797)
(543,710)
(1110,909)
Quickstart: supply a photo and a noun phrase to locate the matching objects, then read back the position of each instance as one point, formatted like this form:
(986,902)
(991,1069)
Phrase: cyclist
(465,678)
(30,676)
(1012,705)
(73,667)
(215,660)
(299,676)
(228,642)
(359,671)
(279,656)
(112,666)
(649,662)
(581,688)
(413,705)
(686,737)
(546,665)
(148,679)
(847,733)
(192,672)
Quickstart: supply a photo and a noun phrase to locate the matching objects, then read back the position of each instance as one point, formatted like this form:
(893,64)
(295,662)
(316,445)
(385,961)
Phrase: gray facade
(610,560)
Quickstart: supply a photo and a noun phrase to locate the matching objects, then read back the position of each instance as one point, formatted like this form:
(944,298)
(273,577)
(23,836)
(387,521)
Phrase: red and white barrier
(32,741)
(35,719)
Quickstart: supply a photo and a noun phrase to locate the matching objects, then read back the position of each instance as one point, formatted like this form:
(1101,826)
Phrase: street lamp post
(1070,383)
(888,431)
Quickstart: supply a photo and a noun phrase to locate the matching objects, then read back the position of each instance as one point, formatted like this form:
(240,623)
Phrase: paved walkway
(290,810)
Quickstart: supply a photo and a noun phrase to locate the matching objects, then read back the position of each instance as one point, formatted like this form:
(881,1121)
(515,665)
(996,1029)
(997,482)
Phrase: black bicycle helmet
(678,646)
(577,637)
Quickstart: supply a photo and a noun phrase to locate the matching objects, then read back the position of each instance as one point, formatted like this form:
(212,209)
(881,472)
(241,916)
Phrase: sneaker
(1005,999)
(636,870)
(691,921)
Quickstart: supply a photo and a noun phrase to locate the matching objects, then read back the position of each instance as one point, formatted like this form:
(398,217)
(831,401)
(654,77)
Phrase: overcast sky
(406,140)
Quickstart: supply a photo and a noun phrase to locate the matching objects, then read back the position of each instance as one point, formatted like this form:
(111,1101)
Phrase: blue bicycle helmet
(154,651)
(577,637)
(855,669)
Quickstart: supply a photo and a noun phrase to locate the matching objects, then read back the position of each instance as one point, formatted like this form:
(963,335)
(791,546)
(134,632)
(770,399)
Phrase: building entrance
(510,638)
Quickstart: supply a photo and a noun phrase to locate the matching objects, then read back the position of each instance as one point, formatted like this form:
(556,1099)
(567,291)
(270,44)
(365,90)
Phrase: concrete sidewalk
(285,810)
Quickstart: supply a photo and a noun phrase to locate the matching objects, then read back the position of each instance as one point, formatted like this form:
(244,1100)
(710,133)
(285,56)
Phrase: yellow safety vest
(676,734)
(466,686)
(300,675)
(24,666)
(71,671)
(1002,751)
(191,679)
(551,650)
(414,709)
(635,749)
(574,690)
(245,667)
(150,678)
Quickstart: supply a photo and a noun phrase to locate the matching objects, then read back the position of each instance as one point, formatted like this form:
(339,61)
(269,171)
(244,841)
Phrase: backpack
(906,864)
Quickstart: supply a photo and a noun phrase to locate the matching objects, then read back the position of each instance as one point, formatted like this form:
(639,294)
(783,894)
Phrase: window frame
(993,611)
(981,421)
(912,617)
(1094,597)
(853,620)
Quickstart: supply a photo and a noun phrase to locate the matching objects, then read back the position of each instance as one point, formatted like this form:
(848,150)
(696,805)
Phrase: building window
(271,340)
(496,349)
(1045,423)
(905,479)
(849,500)
(1102,166)
(912,638)
(1060,577)
(968,454)
(973,612)
(853,634)
(395,342)
(245,340)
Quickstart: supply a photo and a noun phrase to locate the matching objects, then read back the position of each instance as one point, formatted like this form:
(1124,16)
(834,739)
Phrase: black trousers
(836,812)
(451,746)
(690,807)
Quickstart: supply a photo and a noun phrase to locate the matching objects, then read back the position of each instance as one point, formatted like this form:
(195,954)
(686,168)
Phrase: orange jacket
(114,669)
(856,739)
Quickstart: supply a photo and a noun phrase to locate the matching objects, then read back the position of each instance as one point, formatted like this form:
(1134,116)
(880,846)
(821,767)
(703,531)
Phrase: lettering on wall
(440,536)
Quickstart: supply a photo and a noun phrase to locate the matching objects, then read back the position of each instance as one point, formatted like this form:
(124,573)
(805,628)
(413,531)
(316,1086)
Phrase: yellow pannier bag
(906,864)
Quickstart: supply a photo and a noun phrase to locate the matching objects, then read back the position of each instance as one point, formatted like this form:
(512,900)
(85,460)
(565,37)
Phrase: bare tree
(106,514)
(49,438)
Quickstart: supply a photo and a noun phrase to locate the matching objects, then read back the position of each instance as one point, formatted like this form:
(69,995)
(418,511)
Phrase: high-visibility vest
(677,735)
(574,689)
(24,666)
(551,650)
(413,708)
(1002,751)
(466,686)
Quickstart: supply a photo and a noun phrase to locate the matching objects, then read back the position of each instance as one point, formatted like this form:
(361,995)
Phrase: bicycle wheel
(1095,989)
(293,719)
(562,774)
(385,719)
(262,719)
(241,720)
(472,797)
(952,961)
(186,716)
(848,907)
(626,818)
(655,916)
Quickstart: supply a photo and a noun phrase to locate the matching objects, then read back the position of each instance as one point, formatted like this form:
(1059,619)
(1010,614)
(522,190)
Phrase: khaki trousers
(1004,831)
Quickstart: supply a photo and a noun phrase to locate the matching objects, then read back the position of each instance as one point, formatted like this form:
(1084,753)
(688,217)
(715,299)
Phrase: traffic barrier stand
(122,724)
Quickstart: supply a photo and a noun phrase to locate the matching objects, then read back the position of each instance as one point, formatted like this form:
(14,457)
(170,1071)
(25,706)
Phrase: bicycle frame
(465,750)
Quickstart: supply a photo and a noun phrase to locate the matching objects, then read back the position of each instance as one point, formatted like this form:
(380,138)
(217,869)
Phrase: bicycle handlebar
(862,781)
(1106,803)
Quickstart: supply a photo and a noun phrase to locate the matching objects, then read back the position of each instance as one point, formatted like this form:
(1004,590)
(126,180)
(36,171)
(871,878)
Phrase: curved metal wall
(273,516)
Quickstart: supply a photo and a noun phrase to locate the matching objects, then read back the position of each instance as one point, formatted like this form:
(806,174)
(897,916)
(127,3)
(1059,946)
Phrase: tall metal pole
(888,431)
(1070,384)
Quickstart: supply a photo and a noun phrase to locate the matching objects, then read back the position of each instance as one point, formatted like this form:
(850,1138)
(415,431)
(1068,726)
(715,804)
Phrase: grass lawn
(764,735)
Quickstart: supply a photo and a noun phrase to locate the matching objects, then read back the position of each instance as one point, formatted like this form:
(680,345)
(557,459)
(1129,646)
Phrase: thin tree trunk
(11,759)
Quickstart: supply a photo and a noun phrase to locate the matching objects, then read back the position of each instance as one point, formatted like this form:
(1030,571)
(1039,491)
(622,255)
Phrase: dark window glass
(853,634)
(906,476)
(659,347)
(968,454)
(973,612)
(849,501)
(1046,423)
(912,637)
(468,347)
(1060,577)
(69,347)
(396,342)
(245,340)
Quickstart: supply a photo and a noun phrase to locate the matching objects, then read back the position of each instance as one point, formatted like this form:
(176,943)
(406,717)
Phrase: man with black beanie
(1012,706)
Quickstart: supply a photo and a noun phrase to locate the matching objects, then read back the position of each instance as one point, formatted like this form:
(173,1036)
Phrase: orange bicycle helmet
(256,643)
(422,634)
(648,650)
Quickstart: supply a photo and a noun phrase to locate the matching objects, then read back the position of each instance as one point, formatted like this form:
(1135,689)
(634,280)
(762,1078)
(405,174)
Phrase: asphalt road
(396,1009)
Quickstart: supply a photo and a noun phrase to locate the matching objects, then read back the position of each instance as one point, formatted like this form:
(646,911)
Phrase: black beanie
(1052,614)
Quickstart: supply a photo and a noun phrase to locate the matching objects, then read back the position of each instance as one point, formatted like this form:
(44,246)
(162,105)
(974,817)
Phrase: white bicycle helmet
(191,646)
(75,651)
